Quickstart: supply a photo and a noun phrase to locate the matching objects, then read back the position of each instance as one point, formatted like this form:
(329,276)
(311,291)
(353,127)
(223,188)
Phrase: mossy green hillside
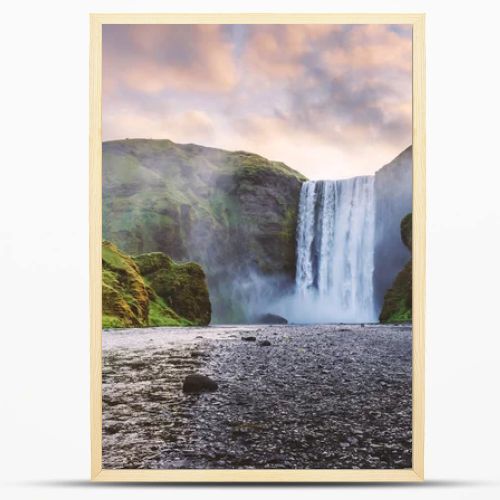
(397,306)
(231,211)
(130,300)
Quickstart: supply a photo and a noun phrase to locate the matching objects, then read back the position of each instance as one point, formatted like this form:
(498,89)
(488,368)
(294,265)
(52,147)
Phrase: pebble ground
(322,396)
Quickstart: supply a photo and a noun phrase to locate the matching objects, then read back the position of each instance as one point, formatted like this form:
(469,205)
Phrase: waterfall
(335,252)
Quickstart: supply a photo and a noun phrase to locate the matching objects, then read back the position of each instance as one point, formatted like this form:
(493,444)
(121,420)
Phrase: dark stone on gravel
(264,343)
(272,319)
(198,354)
(250,338)
(194,384)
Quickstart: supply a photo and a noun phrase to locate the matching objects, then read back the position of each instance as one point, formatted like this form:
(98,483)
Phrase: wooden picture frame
(416,473)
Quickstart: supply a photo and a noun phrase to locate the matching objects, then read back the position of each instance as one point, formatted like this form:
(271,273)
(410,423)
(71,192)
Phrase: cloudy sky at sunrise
(331,101)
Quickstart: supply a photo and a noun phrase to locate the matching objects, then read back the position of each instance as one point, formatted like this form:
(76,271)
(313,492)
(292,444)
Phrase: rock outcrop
(151,290)
(233,212)
(182,286)
(397,306)
(393,200)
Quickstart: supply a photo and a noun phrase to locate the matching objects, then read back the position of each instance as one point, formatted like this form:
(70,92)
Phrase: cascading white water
(335,252)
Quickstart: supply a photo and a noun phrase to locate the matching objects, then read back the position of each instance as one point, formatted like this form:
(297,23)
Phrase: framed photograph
(257,247)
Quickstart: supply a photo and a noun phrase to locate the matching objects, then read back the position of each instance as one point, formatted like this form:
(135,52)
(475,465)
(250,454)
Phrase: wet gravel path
(317,397)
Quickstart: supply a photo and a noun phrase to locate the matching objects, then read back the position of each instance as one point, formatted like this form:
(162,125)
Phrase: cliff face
(233,212)
(393,200)
(151,290)
(397,305)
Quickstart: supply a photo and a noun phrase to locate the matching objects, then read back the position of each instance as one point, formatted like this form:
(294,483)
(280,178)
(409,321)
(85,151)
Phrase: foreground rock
(195,384)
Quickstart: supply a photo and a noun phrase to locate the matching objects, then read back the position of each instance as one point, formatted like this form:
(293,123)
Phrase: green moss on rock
(129,299)
(406,231)
(125,298)
(182,286)
(397,307)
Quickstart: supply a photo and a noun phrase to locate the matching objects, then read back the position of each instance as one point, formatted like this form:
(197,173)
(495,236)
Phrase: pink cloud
(276,50)
(310,95)
(153,58)
(370,47)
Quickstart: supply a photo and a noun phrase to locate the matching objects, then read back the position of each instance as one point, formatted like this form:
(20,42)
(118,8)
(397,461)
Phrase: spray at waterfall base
(335,258)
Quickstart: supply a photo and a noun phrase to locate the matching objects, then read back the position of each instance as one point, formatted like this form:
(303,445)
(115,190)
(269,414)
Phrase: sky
(331,101)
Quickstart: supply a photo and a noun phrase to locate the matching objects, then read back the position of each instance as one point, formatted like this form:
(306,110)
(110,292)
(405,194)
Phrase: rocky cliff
(397,305)
(393,200)
(233,212)
(151,290)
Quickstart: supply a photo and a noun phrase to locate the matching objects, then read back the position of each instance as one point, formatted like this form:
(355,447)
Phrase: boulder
(250,338)
(196,383)
(264,343)
(272,319)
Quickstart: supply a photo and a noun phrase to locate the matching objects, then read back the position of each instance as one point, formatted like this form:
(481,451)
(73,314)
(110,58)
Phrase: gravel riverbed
(318,397)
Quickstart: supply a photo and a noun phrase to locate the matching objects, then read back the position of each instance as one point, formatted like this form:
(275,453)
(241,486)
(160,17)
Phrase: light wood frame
(417,472)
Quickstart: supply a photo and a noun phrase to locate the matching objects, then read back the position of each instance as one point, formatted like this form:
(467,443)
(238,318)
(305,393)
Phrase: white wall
(44,451)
